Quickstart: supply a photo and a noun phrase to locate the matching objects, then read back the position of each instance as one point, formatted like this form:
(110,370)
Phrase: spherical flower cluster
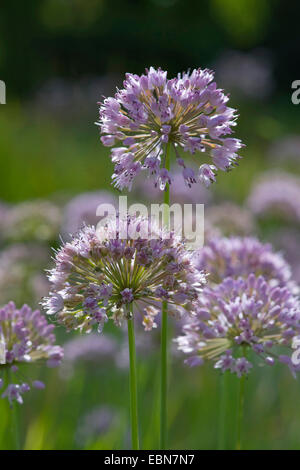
(81,210)
(230,219)
(95,349)
(95,423)
(22,276)
(25,337)
(285,149)
(102,274)
(3,212)
(178,190)
(238,256)
(287,240)
(238,316)
(276,193)
(189,112)
(32,220)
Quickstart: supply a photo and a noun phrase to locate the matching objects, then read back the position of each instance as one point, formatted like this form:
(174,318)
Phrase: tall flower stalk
(240,412)
(120,273)
(133,382)
(164,326)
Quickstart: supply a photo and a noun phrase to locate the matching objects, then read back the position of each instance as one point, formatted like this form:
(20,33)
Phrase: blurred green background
(58,58)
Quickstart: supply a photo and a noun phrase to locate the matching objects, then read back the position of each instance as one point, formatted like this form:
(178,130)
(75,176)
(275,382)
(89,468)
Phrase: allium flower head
(25,337)
(276,194)
(238,316)
(285,148)
(32,220)
(22,276)
(238,256)
(188,111)
(230,219)
(179,191)
(81,210)
(98,275)
(93,349)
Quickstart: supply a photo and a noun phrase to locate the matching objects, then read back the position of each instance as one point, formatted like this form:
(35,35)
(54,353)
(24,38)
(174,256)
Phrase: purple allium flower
(276,193)
(247,73)
(238,316)
(99,274)
(285,149)
(81,210)
(32,221)
(22,273)
(91,348)
(230,219)
(238,256)
(3,212)
(179,191)
(189,112)
(25,337)
(96,423)
(287,240)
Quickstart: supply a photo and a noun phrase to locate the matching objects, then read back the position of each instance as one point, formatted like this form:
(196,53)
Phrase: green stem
(223,398)
(241,400)
(164,327)
(133,387)
(14,417)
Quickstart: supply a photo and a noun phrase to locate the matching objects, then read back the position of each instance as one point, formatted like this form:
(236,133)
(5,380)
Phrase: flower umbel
(25,337)
(189,112)
(240,256)
(98,275)
(239,315)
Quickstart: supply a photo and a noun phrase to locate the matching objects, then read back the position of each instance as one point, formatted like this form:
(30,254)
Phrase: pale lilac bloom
(248,73)
(230,219)
(3,212)
(95,423)
(240,256)
(287,241)
(285,149)
(22,275)
(179,191)
(239,316)
(25,338)
(100,275)
(276,193)
(189,112)
(81,210)
(36,220)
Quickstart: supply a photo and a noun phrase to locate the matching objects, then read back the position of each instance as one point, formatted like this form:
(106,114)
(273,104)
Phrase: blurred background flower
(22,274)
(32,220)
(81,210)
